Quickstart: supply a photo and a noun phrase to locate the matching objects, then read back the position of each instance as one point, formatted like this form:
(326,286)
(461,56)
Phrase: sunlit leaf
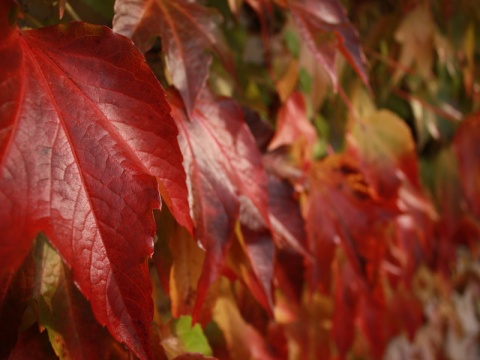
(86,142)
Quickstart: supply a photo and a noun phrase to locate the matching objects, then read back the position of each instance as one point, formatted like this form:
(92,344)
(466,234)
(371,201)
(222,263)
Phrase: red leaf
(340,210)
(15,292)
(32,343)
(467,150)
(85,128)
(325,27)
(225,177)
(376,325)
(293,125)
(346,299)
(408,312)
(187,29)
(285,216)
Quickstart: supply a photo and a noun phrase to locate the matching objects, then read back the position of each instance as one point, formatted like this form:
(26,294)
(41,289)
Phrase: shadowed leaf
(187,30)
(226,179)
(324,26)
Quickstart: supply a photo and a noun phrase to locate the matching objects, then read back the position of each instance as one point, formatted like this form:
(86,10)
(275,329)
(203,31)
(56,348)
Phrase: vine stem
(35,22)
(71,11)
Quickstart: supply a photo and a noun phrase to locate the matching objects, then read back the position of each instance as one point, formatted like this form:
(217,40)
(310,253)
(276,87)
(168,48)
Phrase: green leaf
(193,338)
(292,42)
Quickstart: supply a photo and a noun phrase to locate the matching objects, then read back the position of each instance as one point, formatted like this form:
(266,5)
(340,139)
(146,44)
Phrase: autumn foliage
(239,179)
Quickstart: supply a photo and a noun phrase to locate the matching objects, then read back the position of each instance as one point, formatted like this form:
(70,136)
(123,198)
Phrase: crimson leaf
(84,132)
(226,180)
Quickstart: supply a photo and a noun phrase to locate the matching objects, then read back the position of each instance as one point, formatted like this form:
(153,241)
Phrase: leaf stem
(71,11)
(33,20)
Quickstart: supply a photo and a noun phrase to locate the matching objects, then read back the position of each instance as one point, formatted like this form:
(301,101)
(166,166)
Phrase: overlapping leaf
(63,311)
(285,216)
(467,150)
(243,340)
(293,125)
(384,147)
(341,211)
(325,28)
(85,130)
(226,180)
(187,30)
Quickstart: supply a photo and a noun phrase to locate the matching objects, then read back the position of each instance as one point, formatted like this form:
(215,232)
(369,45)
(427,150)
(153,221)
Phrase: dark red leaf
(376,324)
(261,130)
(84,132)
(32,344)
(340,210)
(345,307)
(408,311)
(285,216)
(187,30)
(324,26)
(17,289)
(467,149)
(225,176)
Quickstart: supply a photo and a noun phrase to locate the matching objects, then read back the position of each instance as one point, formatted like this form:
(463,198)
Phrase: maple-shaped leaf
(85,130)
(324,26)
(384,147)
(187,30)
(225,176)
(466,148)
(340,210)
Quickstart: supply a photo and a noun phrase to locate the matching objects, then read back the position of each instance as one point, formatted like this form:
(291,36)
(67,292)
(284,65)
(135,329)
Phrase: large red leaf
(226,179)
(84,129)
(187,30)
(324,26)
